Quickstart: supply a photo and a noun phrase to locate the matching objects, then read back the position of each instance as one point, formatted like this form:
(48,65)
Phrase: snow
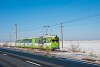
(87,46)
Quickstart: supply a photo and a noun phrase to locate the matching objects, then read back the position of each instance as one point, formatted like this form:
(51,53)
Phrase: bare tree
(74,48)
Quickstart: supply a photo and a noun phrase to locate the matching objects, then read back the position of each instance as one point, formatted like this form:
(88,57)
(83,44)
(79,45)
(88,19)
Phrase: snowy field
(87,46)
(7,43)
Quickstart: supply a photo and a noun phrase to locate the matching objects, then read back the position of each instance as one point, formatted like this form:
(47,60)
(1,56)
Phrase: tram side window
(39,41)
(27,40)
(42,41)
(30,40)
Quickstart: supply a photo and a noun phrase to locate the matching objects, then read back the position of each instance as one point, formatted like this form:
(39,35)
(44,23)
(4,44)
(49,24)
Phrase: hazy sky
(32,14)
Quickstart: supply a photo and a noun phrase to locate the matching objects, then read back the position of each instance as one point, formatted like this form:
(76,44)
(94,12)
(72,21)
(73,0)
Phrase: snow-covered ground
(87,50)
(77,56)
(87,46)
(7,43)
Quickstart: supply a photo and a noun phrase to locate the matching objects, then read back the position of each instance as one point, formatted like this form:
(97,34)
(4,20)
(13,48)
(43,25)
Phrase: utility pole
(62,35)
(10,40)
(16,33)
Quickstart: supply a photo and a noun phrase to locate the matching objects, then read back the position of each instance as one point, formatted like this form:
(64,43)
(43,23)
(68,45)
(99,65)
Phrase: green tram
(43,42)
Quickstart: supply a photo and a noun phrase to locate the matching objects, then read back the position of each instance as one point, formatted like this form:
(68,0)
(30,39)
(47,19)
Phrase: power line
(87,17)
(65,22)
(32,29)
(82,18)
(85,23)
